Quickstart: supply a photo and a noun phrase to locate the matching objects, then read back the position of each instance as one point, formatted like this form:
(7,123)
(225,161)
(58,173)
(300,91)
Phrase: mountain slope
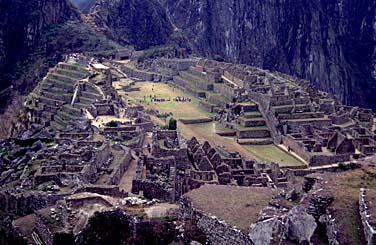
(34,35)
(332,43)
(141,23)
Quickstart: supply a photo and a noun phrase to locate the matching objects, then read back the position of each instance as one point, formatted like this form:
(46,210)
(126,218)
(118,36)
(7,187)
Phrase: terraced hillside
(251,127)
(62,95)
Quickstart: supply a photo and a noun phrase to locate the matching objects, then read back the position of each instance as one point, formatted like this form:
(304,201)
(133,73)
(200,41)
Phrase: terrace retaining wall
(216,230)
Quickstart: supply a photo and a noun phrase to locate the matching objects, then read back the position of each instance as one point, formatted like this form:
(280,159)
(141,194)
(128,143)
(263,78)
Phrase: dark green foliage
(113,124)
(193,233)
(107,228)
(172,124)
(114,227)
(347,166)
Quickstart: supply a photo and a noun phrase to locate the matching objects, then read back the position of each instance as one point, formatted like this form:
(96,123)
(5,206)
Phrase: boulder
(266,232)
(300,225)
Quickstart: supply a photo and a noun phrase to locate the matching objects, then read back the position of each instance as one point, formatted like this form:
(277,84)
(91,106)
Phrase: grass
(180,110)
(242,128)
(240,206)
(345,188)
(272,153)
(203,131)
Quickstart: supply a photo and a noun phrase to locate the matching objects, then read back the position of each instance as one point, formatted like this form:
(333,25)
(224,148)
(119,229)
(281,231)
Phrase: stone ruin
(175,166)
(62,166)
(263,107)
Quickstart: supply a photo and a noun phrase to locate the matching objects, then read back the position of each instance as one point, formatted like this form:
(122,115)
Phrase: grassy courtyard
(180,110)
(272,153)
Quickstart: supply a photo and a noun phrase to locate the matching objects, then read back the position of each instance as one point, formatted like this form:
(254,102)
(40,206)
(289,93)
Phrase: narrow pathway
(126,181)
(127,178)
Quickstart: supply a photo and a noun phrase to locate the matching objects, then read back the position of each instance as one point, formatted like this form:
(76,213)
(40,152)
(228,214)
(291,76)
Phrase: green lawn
(272,153)
(180,110)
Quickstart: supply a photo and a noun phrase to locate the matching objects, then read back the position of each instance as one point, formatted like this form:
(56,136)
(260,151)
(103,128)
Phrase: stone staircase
(251,127)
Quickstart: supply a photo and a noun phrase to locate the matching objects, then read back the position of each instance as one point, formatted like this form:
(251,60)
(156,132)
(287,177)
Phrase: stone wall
(368,226)
(196,121)
(314,159)
(331,230)
(118,172)
(206,106)
(216,230)
(152,190)
(44,232)
(253,133)
(26,203)
(138,74)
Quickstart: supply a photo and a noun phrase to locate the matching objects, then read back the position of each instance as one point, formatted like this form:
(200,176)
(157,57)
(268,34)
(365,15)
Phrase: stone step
(85,101)
(73,67)
(51,82)
(50,108)
(248,107)
(51,102)
(67,117)
(251,132)
(57,126)
(59,121)
(80,105)
(90,95)
(257,141)
(57,90)
(253,122)
(63,78)
(56,96)
(252,114)
(91,89)
(71,110)
(47,115)
(70,73)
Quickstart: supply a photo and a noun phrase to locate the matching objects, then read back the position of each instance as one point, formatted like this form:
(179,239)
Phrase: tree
(172,124)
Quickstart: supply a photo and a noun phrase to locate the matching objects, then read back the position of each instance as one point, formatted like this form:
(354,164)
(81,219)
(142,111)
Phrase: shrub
(113,124)
(172,124)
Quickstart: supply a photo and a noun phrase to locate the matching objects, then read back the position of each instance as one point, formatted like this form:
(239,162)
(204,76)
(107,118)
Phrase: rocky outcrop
(300,225)
(263,232)
(135,22)
(22,24)
(277,224)
(331,43)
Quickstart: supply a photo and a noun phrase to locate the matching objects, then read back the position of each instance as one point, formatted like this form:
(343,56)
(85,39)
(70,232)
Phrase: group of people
(183,99)
(154,98)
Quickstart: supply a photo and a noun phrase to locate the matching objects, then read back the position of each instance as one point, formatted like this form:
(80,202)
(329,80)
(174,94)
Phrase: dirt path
(126,181)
